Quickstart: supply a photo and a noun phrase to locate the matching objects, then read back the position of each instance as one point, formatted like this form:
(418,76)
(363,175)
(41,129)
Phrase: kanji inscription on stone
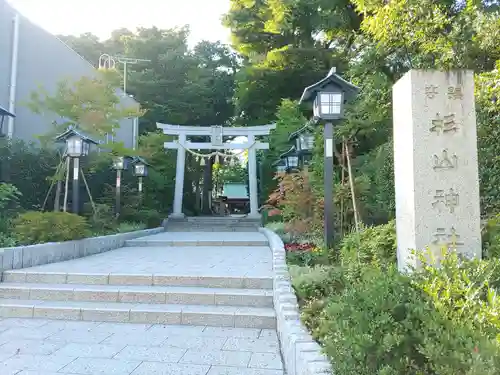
(445,124)
(445,161)
(448,238)
(449,199)
(455,92)
(436,165)
(216,136)
(431,91)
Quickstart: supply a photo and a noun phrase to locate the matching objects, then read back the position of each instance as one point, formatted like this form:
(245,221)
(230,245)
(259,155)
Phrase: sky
(100,17)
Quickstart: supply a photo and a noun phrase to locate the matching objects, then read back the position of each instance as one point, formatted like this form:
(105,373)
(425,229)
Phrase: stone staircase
(212,224)
(221,303)
(65,291)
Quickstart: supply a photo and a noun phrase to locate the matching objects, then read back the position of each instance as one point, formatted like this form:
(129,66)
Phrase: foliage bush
(372,245)
(102,219)
(9,205)
(491,238)
(130,227)
(380,323)
(316,282)
(39,227)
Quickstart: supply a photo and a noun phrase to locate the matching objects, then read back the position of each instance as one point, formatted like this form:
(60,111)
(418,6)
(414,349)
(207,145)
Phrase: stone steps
(218,316)
(138,294)
(143,242)
(238,282)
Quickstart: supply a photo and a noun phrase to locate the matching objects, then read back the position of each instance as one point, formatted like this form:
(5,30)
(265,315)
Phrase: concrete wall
(52,252)
(301,354)
(43,60)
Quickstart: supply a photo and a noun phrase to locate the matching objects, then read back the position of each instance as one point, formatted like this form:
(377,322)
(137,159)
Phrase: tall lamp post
(328,97)
(77,145)
(4,114)
(120,163)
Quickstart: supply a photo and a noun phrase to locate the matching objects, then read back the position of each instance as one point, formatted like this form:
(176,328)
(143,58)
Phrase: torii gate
(216,132)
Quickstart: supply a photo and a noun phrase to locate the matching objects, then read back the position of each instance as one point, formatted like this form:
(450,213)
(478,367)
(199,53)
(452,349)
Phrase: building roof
(235,191)
(4,112)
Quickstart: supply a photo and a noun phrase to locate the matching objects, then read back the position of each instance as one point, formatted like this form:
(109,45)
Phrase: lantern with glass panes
(4,114)
(280,166)
(291,158)
(120,163)
(328,97)
(140,170)
(304,144)
(77,145)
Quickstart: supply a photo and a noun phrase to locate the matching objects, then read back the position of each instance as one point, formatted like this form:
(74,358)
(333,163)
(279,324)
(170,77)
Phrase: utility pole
(109,62)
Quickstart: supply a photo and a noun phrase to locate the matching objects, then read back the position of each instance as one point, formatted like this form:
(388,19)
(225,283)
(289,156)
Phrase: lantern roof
(70,132)
(279,162)
(291,152)
(303,129)
(4,112)
(139,159)
(332,79)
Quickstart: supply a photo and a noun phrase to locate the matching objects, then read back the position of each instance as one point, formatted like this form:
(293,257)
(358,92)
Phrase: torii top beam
(207,130)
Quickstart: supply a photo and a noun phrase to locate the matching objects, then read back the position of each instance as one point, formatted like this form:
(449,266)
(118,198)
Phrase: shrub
(316,282)
(373,245)
(464,291)
(130,227)
(150,218)
(103,219)
(491,238)
(382,325)
(38,227)
(305,254)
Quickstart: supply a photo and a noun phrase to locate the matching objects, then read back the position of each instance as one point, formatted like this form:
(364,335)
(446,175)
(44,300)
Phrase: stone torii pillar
(179,178)
(252,178)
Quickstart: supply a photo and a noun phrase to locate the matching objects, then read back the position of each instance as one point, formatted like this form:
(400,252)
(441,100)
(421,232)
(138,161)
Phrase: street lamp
(5,165)
(140,170)
(120,163)
(280,166)
(77,145)
(291,159)
(328,97)
(304,143)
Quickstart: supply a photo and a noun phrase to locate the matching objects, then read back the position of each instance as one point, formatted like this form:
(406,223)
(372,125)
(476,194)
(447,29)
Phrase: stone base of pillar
(256,216)
(177,216)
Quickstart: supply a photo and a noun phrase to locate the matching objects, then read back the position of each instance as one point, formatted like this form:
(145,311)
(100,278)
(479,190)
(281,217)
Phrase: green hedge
(39,227)
(372,320)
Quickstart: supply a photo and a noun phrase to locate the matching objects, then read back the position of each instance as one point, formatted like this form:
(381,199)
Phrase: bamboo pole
(66,185)
(351,183)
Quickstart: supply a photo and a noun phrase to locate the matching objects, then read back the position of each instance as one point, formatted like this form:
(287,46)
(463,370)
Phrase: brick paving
(55,347)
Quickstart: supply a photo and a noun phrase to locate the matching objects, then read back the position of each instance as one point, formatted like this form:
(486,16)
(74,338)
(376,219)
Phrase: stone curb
(301,354)
(13,258)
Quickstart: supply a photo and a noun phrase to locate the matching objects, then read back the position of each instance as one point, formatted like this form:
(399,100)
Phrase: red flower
(274,212)
(305,247)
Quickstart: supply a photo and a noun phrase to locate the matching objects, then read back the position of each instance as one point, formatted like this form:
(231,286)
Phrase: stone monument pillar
(435,164)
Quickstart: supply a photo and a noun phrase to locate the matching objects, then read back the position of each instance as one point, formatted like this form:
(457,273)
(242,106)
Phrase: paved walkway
(55,347)
(45,347)
(251,261)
